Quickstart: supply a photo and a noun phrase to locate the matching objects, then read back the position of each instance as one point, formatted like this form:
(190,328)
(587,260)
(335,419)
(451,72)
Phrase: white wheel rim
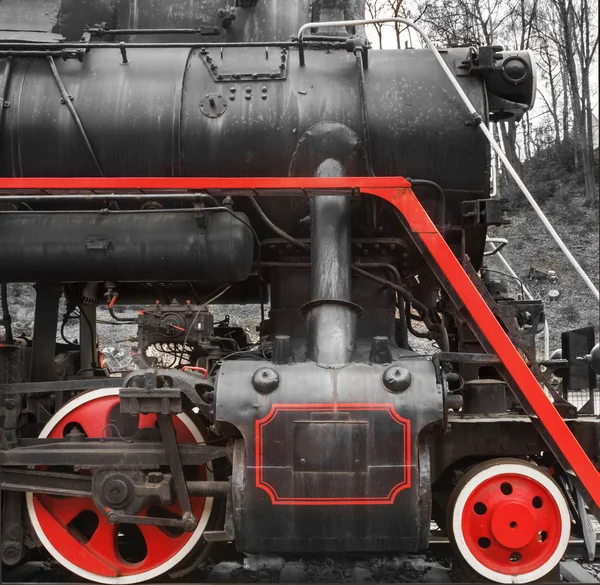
(513,469)
(126,579)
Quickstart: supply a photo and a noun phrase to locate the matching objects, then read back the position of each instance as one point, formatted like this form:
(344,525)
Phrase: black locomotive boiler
(325,430)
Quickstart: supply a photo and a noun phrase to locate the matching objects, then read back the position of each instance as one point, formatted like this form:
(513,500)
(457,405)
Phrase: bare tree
(395,9)
(578,48)
(585,47)
(375,9)
(551,72)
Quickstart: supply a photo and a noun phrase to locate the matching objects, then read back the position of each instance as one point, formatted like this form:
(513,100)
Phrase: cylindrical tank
(150,117)
(143,247)
(153,116)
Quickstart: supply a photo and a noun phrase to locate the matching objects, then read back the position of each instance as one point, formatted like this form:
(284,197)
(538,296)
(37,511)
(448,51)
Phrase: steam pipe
(331,316)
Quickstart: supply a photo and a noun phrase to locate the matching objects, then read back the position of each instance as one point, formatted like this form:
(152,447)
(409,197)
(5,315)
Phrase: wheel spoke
(160,545)
(103,544)
(64,510)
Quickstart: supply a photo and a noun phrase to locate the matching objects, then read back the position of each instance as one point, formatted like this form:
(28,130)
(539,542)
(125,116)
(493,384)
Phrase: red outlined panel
(276,499)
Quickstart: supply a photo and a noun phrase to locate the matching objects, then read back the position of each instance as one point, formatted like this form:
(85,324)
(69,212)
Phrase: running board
(452,275)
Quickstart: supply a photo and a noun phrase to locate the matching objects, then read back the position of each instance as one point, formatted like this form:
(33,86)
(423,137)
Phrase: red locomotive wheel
(80,537)
(509,521)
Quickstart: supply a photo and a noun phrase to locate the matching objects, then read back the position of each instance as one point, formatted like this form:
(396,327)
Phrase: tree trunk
(579,125)
(588,144)
(509,141)
(527,136)
(553,94)
(565,109)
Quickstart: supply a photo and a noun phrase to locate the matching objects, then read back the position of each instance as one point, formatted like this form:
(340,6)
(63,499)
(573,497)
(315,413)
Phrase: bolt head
(115,492)
(155,477)
(10,555)
(189,524)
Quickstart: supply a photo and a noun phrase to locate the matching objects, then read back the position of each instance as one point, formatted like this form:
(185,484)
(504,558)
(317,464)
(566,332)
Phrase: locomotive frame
(360,442)
(460,282)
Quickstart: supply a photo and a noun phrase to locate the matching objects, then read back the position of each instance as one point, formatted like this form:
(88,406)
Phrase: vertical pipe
(87,340)
(330,314)
(4,90)
(43,350)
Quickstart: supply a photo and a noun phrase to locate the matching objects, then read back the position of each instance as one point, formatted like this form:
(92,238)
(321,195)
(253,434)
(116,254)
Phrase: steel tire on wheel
(98,556)
(509,521)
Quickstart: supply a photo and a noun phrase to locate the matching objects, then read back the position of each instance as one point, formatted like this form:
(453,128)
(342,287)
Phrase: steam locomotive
(325,430)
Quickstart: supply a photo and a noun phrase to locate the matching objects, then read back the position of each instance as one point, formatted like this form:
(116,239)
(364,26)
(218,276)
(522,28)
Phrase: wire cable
(92,336)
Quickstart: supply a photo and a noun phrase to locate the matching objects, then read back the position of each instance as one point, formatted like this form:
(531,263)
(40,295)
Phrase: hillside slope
(557,187)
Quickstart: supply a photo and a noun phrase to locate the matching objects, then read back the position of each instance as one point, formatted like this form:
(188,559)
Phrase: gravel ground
(272,569)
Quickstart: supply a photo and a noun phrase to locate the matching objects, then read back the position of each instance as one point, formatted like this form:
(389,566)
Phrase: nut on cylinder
(396,378)
(265,380)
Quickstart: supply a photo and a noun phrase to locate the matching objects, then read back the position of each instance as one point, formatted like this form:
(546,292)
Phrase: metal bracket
(484,212)
(484,59)
(9,411)
(228,532)
(227,65)
(141,392)
(11,545)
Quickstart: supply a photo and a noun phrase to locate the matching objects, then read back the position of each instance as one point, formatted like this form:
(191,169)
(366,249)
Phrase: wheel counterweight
(509,521)
(81,538)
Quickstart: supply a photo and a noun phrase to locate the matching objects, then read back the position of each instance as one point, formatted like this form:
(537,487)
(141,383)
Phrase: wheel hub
(116,492)
(513,525)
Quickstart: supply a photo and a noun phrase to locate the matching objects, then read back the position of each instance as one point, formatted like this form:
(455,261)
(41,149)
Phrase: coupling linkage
(121,495)
(153,392)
